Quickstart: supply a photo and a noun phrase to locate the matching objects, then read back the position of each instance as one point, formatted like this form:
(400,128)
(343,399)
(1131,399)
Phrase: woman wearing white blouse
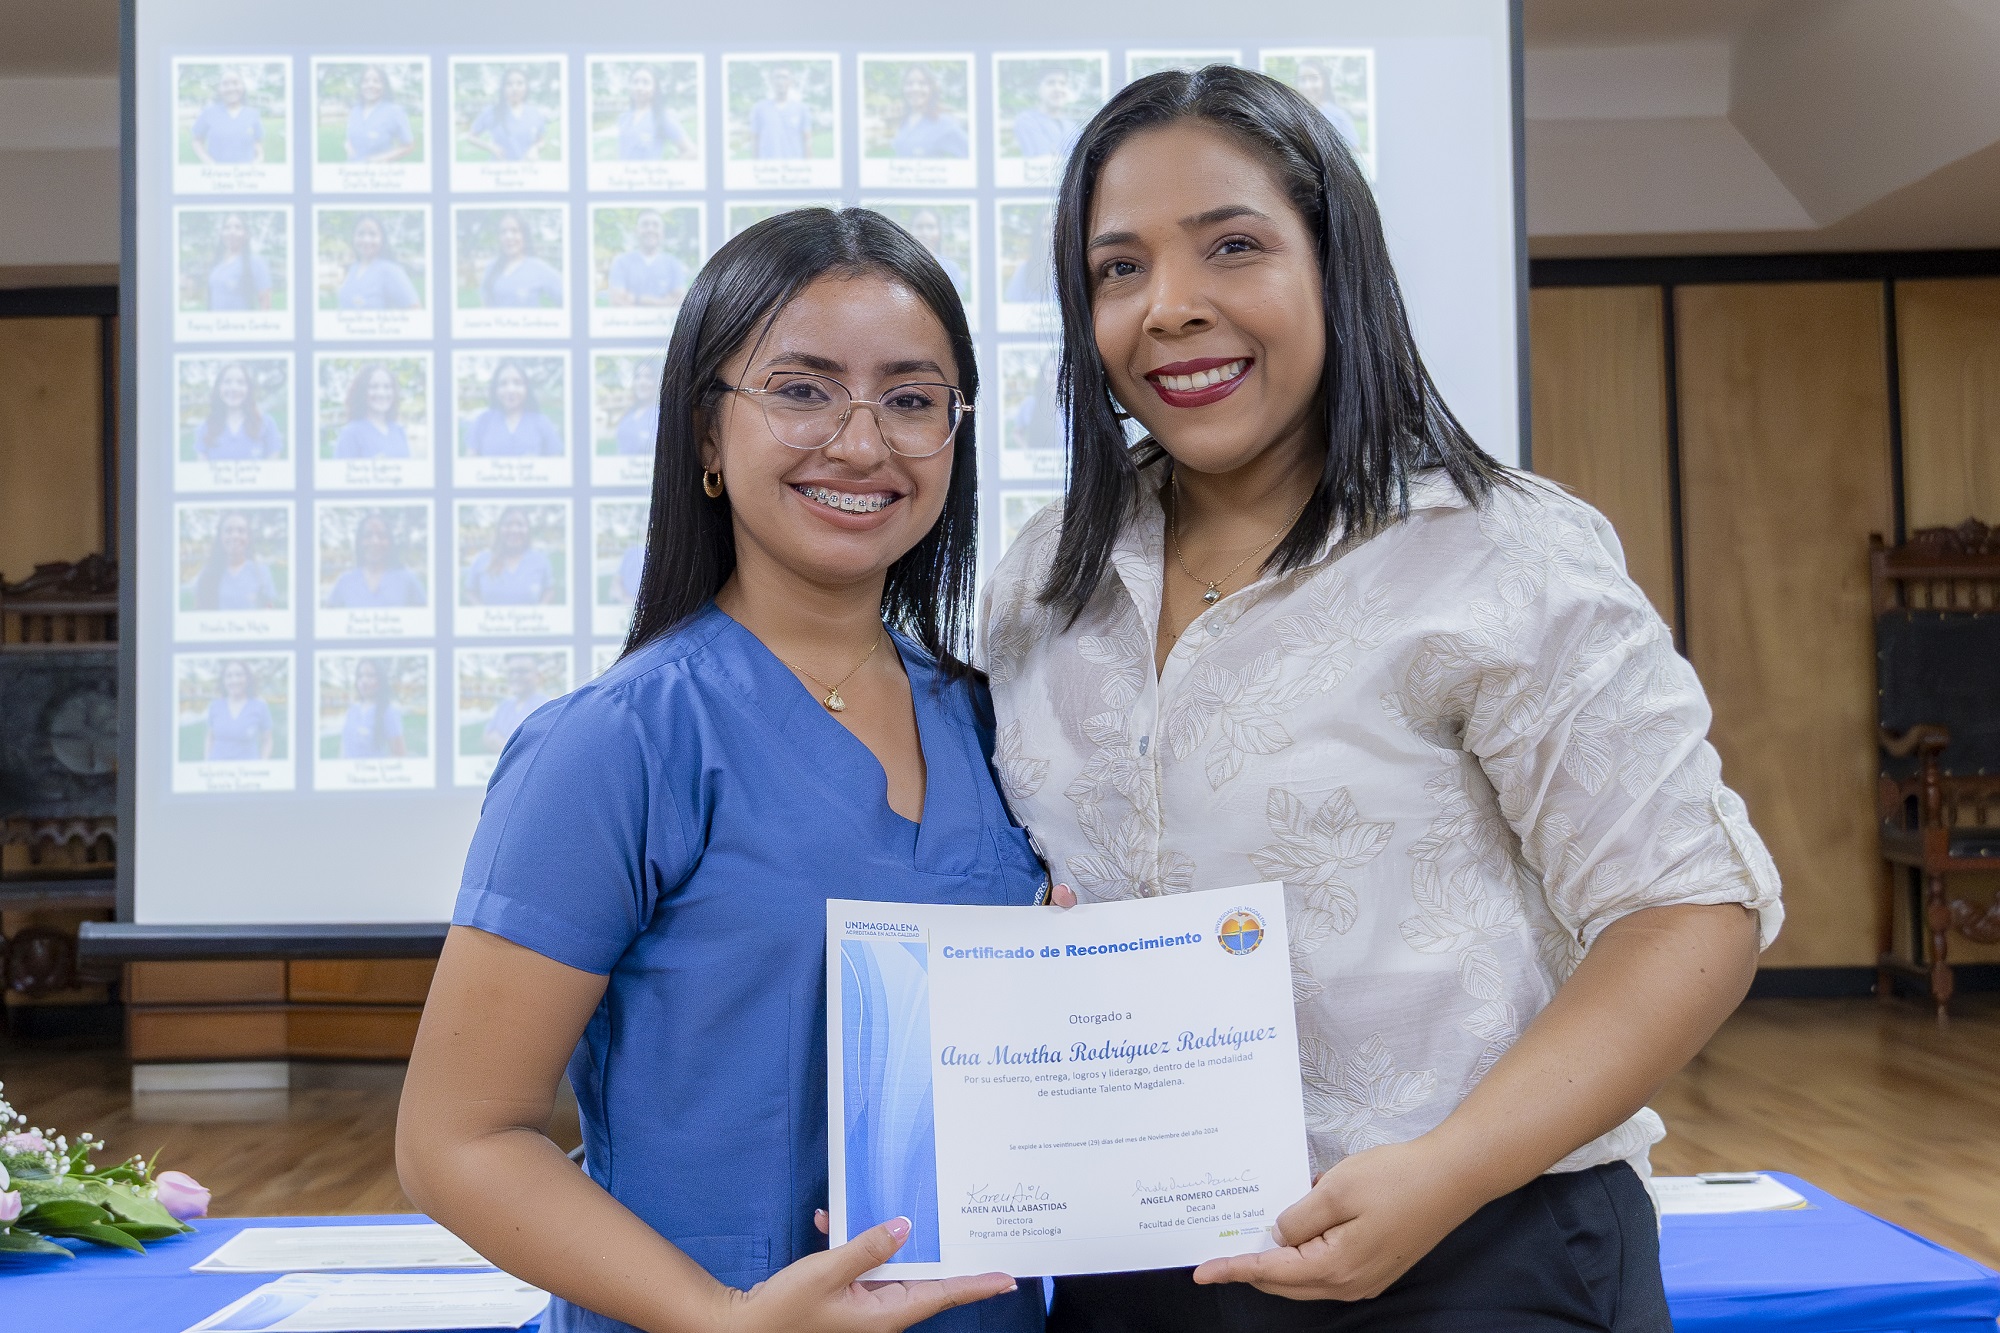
(1307,631)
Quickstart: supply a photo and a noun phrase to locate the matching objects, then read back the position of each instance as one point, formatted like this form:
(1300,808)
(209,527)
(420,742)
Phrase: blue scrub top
(659,277)
(400,586)
(639,139)
(491,437)
(237,736)
(780,129)
(237,282)
(357,733)
(234,444)
(249,587)
(530,283)
(376,129)
(511,712)
(379,284)
(513,133)
(678,825)
(523,585)
(931,136)
(639,431)
(362,438)
(1038,134)
(229,136)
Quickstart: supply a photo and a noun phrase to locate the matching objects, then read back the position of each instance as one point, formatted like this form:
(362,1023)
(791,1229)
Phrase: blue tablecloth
(1830,1268)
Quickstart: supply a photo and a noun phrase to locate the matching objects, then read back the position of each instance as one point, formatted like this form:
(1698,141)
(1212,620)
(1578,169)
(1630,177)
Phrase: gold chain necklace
(834,703)
(1214,586)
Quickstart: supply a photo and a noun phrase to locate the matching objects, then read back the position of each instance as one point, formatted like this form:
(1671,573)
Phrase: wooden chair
(1937,644)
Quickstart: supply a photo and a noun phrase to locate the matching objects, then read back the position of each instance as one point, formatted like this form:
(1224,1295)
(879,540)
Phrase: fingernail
(1012,1287)
(899,1227)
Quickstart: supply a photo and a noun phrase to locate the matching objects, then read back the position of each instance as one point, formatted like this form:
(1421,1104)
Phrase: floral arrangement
(49,1188)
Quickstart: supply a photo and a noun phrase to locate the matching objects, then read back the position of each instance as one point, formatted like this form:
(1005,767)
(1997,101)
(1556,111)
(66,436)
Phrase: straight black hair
(1382,414)
(690,543)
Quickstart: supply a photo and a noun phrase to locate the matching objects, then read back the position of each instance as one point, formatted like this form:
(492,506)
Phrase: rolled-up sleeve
(1599,755)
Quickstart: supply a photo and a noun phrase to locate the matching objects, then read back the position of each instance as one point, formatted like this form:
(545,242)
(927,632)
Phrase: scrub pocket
(734,1261)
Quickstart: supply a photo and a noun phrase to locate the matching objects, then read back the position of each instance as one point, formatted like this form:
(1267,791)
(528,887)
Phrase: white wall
(59,164)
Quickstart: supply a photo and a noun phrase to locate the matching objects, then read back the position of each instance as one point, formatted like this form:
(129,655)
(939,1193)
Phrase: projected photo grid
(420,304)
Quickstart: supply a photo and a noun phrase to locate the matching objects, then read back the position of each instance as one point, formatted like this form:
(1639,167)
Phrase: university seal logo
(1240,932)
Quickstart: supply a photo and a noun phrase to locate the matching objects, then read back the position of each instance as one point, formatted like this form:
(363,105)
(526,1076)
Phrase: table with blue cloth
(1828,1268)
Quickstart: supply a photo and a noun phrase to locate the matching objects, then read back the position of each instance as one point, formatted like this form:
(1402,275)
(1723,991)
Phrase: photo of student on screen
(229,129)
(378,125)
(233,577)
(648,129)
(1312,83)
(517,277)
(926,128)
(513,571)
(239,722)
(928,227)
(374,427)
(1047,128)
(638,430)
(648,274)
(374,278)
(380,575)
(236,428)
(510,127)
(524,695)
(373,728)
(781,123)
(238,277)
(512,424)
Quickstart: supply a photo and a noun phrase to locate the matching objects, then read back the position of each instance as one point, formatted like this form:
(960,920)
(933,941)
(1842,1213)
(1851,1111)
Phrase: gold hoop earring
(711,484)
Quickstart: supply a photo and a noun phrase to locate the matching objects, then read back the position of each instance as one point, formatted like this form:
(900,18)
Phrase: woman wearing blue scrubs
(232,579)
(645,896)
(517,278)
(378,129)
(927,129)
(513,572)
(512,425)
(374,404)
(379,576)
(511,127)
(239,723)
(646,128)
(373,727)
(375,281)
(229,129)
(235,429)
(239,279)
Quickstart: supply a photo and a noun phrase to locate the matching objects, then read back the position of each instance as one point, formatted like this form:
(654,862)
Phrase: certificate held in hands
(1111,1088)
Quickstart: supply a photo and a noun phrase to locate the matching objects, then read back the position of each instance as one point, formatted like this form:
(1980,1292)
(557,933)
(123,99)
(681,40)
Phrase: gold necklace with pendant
(1213,593)
(833,702)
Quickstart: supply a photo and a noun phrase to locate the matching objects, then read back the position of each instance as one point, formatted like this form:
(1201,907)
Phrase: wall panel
(1948,343)
(51,442)
(1785,471)
(1598,359)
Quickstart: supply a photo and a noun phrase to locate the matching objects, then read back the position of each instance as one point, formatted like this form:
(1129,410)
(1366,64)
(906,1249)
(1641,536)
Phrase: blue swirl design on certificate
(891,1129)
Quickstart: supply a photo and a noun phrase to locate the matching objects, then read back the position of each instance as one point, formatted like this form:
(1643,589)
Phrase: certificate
(1111,1088)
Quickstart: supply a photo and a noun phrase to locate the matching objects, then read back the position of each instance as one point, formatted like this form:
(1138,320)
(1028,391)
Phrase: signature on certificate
(1018,1194)
(1208,1180)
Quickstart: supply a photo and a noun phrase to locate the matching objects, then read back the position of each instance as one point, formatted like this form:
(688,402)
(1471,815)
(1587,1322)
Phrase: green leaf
(148,1231)
(19,1241)
(61,1214)
(129,1206)
(104,1235)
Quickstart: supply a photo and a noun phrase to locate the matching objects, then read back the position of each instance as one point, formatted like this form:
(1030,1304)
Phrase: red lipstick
(1208,393)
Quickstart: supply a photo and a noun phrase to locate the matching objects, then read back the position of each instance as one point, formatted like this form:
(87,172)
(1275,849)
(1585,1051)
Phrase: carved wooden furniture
(1937,635)
(58,774)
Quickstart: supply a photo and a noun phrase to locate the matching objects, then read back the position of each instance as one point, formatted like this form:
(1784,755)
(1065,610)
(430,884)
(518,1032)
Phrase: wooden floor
(1872,1102)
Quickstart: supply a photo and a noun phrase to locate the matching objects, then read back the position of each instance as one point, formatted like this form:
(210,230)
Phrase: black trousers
(1579,1250)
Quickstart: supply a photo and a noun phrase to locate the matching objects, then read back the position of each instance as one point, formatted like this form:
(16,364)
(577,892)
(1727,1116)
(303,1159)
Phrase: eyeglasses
(807,411)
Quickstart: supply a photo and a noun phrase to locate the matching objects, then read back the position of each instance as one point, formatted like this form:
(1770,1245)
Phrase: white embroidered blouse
(1465,745)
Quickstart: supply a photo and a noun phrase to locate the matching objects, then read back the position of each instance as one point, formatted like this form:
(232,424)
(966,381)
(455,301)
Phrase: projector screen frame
(106,943)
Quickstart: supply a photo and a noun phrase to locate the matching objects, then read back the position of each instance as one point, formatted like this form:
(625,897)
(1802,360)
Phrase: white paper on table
(1111,1088)
(1729,1194)
(333,1248)
(380,1303)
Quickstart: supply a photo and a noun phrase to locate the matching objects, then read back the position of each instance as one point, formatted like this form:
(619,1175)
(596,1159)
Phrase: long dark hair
(500,258)
(218,414)
(208,584)
(357,392)
(380,702)
(690,544)
(1381,412)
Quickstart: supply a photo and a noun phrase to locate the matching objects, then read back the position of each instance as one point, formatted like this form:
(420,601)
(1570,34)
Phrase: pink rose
(10,1206)
(26,1140)
(181,1195)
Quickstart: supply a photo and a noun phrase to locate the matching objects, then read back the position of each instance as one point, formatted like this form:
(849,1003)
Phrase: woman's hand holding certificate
(1109,1088)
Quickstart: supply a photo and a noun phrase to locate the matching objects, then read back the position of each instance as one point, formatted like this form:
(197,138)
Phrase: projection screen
(399,280)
